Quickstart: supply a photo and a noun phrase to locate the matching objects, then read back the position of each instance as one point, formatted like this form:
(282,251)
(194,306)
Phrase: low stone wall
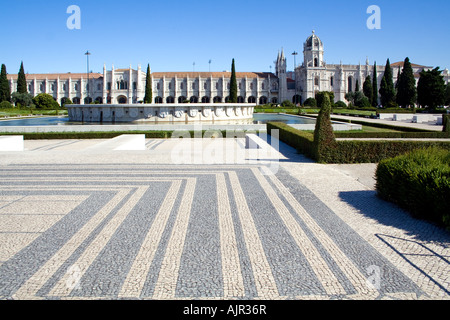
(157,113)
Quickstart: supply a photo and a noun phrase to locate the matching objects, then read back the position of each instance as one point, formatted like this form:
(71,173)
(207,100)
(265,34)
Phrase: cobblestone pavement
(78,222)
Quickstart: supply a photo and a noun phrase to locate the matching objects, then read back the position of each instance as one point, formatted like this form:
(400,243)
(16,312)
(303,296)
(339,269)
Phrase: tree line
(430,92)
(21,97)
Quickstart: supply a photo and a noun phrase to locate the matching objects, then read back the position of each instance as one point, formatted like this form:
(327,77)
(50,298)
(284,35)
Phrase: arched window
(181,86)
(205,99)
(170,85)
(217,85)
(158,99)
(170,99)
(274,100)
(193,99)
(205,86)
(263,86)
(217,99)
(316,81)
(75,86)
(181,99)
(251,99)
(263,100)
(350,84)
(122,99)
(240,99)
(316,62)
(332,81)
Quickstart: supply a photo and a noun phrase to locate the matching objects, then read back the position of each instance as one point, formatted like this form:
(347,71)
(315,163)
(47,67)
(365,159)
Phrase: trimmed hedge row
(375,151)
(397,135)
(301,140)
(349,151)
(418,182)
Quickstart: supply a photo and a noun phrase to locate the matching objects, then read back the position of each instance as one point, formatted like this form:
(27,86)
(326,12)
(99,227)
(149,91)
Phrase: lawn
(14,112)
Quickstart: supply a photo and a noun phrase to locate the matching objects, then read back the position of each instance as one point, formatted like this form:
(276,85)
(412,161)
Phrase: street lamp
(295,78)
(87,73)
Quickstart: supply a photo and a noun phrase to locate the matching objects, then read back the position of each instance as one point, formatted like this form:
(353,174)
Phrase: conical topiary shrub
(324,140)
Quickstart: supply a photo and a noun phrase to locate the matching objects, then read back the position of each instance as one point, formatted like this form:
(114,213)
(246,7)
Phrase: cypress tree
(5,90)
(387,89)
(375,86)
(324,139)
(431,89)
(447,95)
(357,85)
(21,80)
(148,87)
(233,84)
(367,89)
(407,92)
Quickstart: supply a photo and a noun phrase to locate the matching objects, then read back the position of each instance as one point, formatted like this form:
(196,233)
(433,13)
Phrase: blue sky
(171,35)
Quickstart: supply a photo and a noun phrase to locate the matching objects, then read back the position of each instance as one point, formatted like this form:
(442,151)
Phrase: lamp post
(87,73)
(295,78)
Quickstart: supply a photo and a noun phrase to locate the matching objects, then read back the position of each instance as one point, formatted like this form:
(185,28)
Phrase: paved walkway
(205,220)
(424,126)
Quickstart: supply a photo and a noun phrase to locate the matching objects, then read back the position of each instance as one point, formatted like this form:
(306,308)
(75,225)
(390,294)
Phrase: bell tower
(280,69)
(313,52)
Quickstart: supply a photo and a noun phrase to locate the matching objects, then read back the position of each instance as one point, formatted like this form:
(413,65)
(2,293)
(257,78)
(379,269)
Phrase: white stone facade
(158,113)
(127,86)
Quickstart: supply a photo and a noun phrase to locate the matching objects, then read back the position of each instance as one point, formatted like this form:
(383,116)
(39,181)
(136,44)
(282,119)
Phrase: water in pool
(258,118)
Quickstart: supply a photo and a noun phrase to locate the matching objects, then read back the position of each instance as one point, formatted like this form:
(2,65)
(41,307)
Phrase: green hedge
(350,151)
(374,151)
(396,110)
(398,135)
(418,182)
(301,140)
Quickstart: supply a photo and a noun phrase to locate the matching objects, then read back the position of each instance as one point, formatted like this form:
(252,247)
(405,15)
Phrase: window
(217,85)
(263,86)
(316,81)
(108,86)
(30,87)
(170,85)
(205,86)
(332,81)
(350,84)
(75,87)
(158,86)
(193,86)
(316,62)
(64,87)
(240,85)
(41,87)
(99,87)
(53,87)
(181,86)
(135,85)
(251,86)
(228,85)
